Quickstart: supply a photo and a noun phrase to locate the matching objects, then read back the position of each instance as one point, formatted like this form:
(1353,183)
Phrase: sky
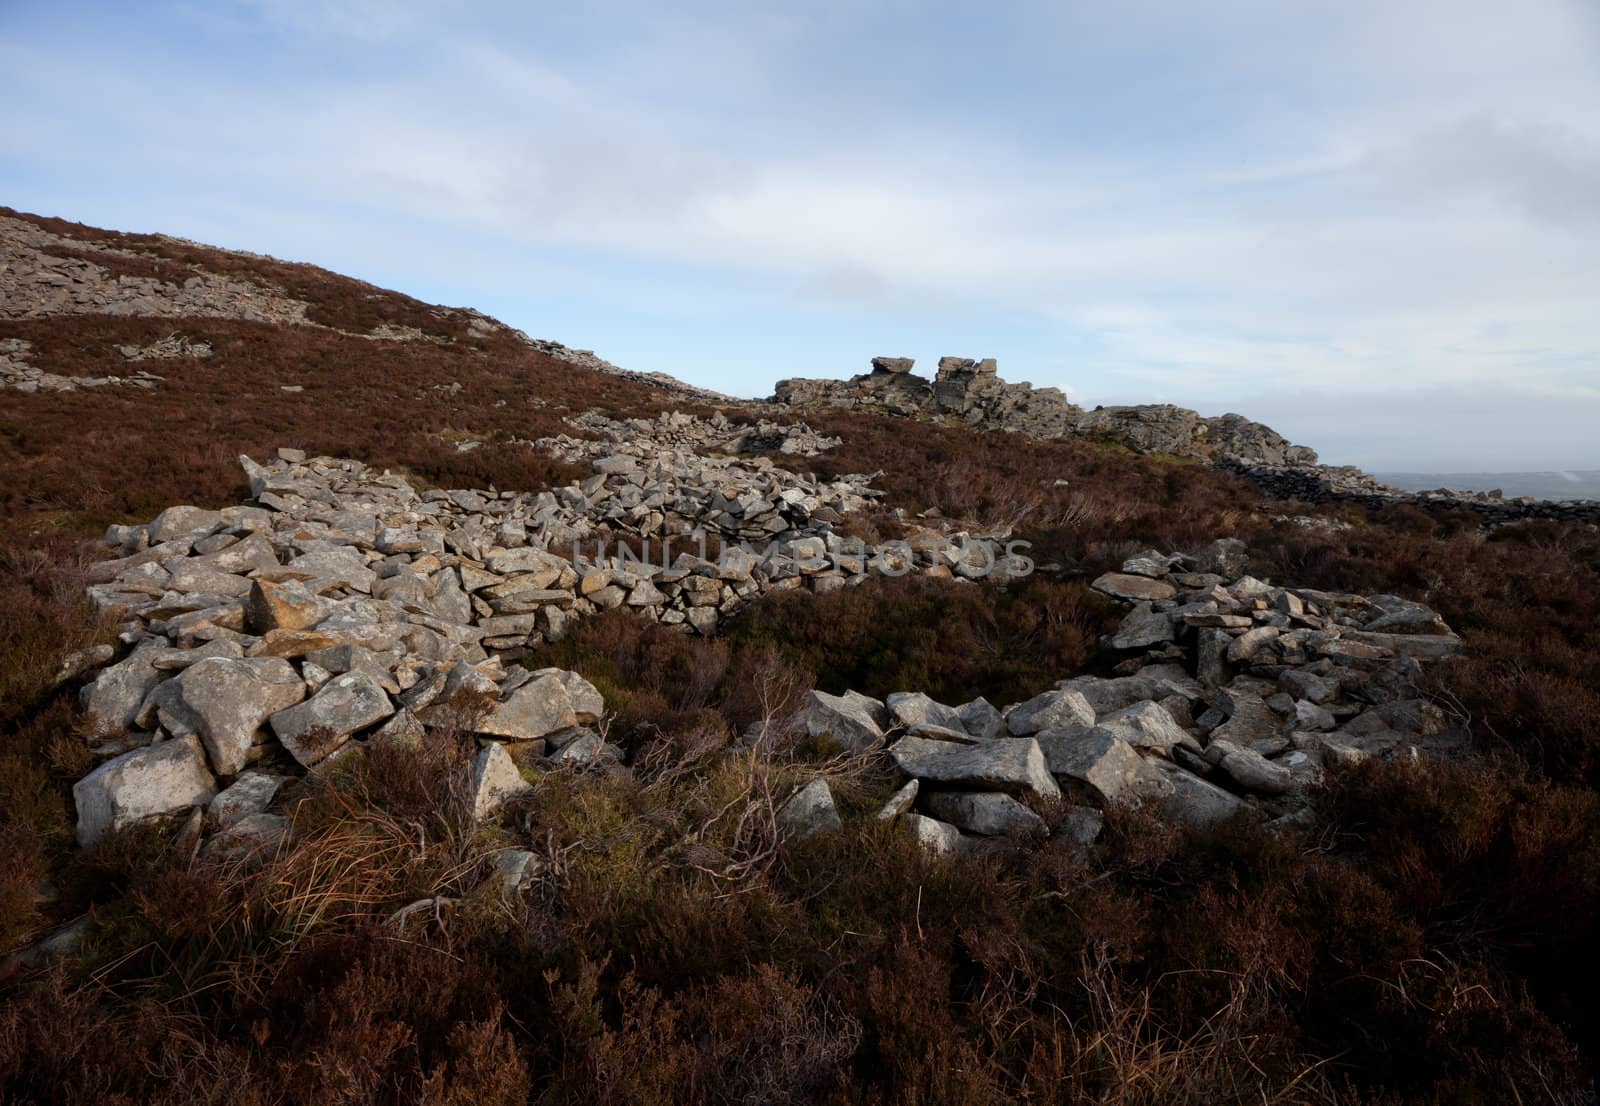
(1372,224)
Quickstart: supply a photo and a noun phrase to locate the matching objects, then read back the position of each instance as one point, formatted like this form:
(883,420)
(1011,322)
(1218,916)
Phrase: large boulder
(911,708)
(1197,802)
(159,779)
(1052,710)
(1016,767)
(983,812)
(854,720)
(1146,726)
(540,707)
(226,700)
(323,723)
(112,700)
(1106,763)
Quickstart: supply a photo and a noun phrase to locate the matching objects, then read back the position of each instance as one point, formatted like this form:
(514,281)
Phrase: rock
(1251,642)
(1197,802)
(515,870)
(1312,718)
(1145,726)
(250,841)
(250,794)
(1053,710)
(587,746)
(320,725)
(809,811)
(1122,586)
(983,812)
(1151,563)
(158,779)
(113,699)
(538,708)
(980,719)
(938,838)
(1249,719)
(495,782)
(1225,557)
(852,720)
(77,663)
(1211,657)
(1106,763)
(910,708)
(1016,767)
(229,699)
(1106,695)
(286,605)
(1080,826)
(1249,768)
(899,802)
(1143,627)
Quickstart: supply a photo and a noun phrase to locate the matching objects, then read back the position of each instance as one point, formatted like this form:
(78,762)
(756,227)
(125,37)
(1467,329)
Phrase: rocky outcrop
(973,392)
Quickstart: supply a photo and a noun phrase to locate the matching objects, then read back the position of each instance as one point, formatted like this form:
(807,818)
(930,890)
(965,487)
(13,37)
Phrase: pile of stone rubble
(16,372)
(680,430)
(1239,695)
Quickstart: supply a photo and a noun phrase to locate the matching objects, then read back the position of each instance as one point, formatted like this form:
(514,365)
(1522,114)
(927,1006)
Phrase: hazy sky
(1373,224)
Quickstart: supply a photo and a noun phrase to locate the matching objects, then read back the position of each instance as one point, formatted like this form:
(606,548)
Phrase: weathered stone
(288,605)
(852,720)
(113,699)
(1016,767)
(909,708)
(1194,801)
(249,841)
(1251,642)
(983,812)
(1143,627)
(1106,763)
(540,707)
(250,794)
(1145,726)
(229,700)
(494,782)
(1052,710)
(938,838)
(899,802)
(1249,768)
(1122,586)
(981,719)
(319,726)
(158,779)
(809,811)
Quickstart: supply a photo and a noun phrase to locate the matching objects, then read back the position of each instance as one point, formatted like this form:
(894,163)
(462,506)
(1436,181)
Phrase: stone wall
(1348,484)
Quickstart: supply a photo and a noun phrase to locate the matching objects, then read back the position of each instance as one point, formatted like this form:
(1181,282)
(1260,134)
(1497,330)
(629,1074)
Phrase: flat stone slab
(1014,766)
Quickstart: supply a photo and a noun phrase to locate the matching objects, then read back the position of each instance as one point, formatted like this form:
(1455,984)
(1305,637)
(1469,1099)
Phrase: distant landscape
(1584,484)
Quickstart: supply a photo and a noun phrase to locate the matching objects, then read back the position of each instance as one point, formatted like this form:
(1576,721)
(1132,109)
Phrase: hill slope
(629,905)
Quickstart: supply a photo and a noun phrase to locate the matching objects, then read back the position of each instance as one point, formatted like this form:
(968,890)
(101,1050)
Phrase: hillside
(395,708)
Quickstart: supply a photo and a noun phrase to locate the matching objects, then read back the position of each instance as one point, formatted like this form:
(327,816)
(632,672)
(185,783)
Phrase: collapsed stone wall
(1236,696)
(1348,484)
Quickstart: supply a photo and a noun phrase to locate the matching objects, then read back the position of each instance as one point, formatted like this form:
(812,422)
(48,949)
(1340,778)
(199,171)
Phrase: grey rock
(983,812)
(982,719)
(1123,586)
(1107,764)
(158,779)
(1016,767)
(938,838)
(1052,710)
(899,802)
(250,794)
(1145,726)
(112,700)
(229,699)
(494,782)
(314,729)
(1143,627)
(809,811)
(538,708)
(910,708)
(853,720)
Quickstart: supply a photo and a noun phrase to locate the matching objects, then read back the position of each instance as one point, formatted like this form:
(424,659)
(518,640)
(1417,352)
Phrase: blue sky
(1373,224)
